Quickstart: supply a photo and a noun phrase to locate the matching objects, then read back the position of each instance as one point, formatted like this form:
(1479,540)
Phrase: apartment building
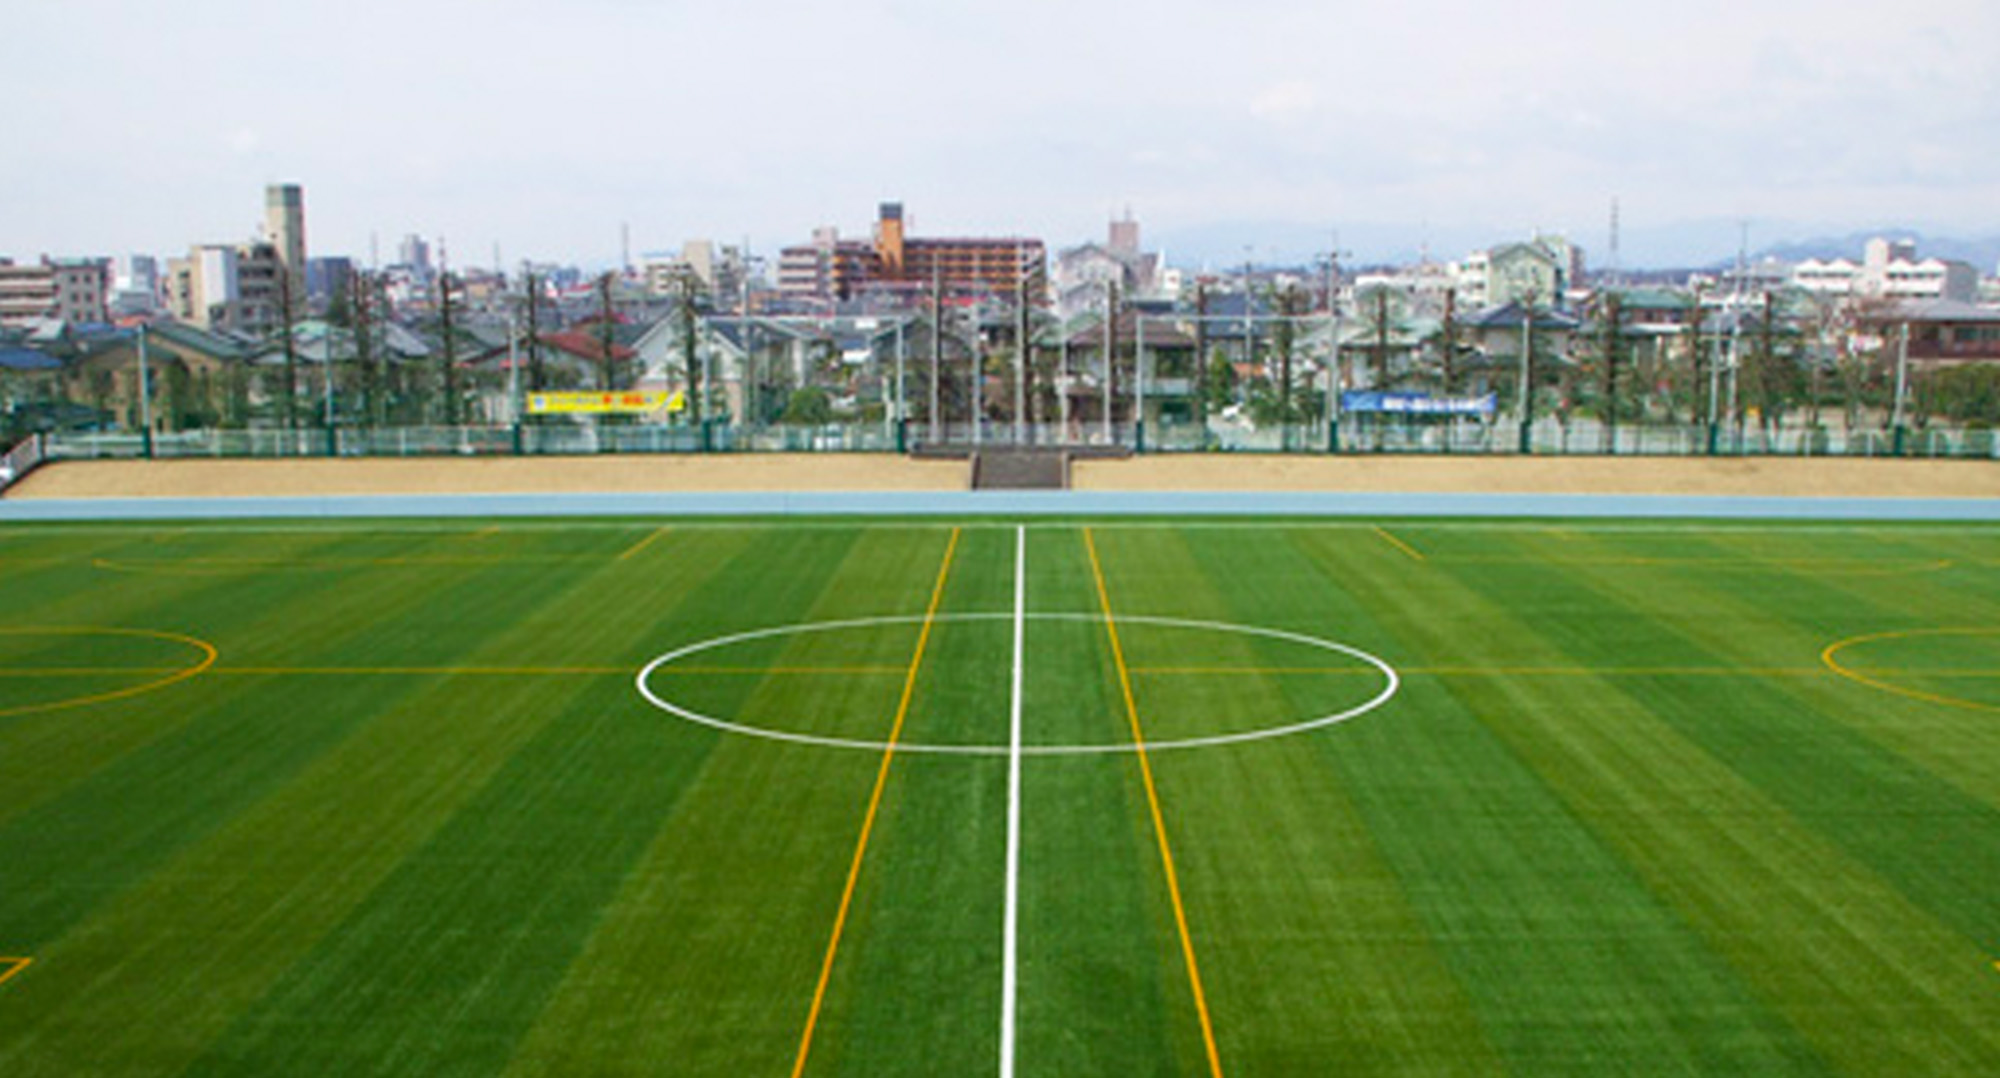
(228,286)
(897,263)
(1889,269)
(64,289)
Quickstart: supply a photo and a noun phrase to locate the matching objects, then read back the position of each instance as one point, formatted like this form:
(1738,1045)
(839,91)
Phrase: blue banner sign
(1416,404)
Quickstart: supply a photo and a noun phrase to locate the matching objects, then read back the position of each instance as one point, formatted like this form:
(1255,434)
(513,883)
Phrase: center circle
(1391,683)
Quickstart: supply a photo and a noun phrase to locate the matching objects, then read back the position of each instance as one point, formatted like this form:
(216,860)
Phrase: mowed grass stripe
(486,916)
(874,806)
(1102,985)
(1572,962)
(1875,983)
(151,774)
(926,922)
(1144,759)
(45,752)
(1311,935)
(1800,743)
(147,982)
(708,954)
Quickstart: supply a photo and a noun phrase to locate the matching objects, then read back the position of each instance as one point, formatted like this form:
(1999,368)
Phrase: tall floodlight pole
(902,395)
(1110,352)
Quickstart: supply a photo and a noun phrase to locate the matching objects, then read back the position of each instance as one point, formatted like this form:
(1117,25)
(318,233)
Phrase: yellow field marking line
(1493,671)
(85,671)
(417,671)
(1824,566)
(1830,657)
(9,967)
(1153,802)
(651,537)
(1406,548)
(874,806)
(440,671)
(222,566)
(179,674)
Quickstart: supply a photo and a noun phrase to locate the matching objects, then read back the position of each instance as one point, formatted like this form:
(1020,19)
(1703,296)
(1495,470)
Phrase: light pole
(1527,403)
(145,397)
(977,362)
(1902,387)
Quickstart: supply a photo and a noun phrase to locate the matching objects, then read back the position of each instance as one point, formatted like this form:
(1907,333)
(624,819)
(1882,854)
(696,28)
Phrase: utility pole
(1024,349)
(1201,358)
(977,365)
(1110,353)
(364,343)
(534,333)
(285,309)
(452,416)
(937,353)
(1449,330)
(607,365)
(1527,376)
(145,396)
(1902,385)
(690,364)
(1613,315)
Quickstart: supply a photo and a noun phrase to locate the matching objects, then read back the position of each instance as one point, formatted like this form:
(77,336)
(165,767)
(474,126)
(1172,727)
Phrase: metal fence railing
(1351,435)
(20,460)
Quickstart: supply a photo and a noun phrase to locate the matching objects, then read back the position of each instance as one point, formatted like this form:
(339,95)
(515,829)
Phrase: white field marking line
(1392,684)
(1009,948)
(1886,530)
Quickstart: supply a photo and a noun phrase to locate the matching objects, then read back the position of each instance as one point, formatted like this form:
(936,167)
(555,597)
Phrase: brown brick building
(896,263)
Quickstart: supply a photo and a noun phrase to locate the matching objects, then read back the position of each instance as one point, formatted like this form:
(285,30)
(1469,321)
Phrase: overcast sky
(543,127)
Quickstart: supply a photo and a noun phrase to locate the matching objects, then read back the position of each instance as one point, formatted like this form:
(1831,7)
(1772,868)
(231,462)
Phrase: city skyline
(550,132)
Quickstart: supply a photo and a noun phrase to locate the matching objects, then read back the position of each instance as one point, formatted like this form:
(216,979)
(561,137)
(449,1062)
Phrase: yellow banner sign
(628,403)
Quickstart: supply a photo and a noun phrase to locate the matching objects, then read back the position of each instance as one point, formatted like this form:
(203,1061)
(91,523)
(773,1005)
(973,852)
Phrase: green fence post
(1897,443)
(520,443)
(1333,435)
(1527,439)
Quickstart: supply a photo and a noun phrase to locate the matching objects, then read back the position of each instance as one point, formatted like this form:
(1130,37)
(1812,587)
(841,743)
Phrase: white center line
(1009,946)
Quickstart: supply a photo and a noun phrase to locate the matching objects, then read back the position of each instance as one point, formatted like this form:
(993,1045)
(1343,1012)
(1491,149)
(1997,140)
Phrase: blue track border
(1006,503)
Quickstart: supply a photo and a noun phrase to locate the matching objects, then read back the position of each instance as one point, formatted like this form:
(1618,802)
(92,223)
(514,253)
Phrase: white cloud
(1285,101)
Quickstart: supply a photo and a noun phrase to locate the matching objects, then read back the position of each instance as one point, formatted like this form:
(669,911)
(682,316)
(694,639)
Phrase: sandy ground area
(489,475)
(1755,476)
(1752,476)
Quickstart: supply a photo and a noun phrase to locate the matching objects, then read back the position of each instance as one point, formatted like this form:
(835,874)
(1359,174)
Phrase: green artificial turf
(386,799)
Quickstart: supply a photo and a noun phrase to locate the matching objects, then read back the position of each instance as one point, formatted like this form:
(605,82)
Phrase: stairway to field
(1014,468)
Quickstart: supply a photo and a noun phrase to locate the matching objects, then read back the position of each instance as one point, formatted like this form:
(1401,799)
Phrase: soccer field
(909,798)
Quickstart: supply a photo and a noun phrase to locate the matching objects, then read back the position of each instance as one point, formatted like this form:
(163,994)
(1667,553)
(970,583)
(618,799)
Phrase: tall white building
(1889,269)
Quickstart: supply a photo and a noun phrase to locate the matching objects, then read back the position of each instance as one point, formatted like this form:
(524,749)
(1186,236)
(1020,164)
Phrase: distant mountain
(1695,244)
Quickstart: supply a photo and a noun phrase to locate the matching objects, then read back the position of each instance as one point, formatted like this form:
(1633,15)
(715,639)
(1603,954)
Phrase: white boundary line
(32,529)
(1009,947)
(1391,684)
